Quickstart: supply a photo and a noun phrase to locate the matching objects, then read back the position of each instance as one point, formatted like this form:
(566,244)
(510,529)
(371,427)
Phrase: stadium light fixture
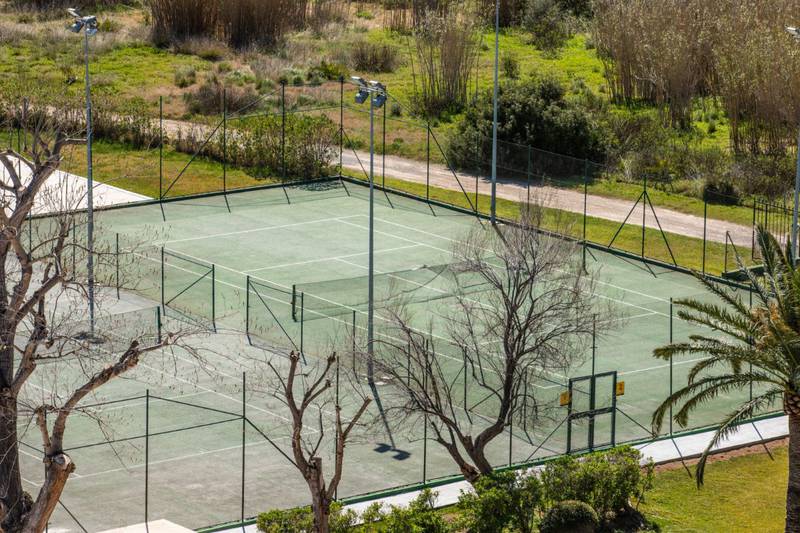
(88,25)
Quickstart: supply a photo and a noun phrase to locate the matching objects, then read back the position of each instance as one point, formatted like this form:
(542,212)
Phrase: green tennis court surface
(197,444)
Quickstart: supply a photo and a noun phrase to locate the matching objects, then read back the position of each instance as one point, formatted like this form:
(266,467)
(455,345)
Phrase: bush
(534,113)
(607,481)
(185,76)
(548,25)
(420,516)
(207,99)
(374,57)
(720,191)
(328,71)
(501,501)
(569,516)
(511,67)
(301,520)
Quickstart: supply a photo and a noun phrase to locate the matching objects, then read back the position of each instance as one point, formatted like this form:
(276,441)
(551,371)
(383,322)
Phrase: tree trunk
(12,495)
(793,489)
(57,471)
(320,504)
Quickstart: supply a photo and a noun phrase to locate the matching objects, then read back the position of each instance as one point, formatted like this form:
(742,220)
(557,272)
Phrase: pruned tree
(43,332)
(308,392)
(523,310)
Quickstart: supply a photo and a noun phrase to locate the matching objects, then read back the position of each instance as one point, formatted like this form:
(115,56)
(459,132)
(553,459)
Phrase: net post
(163,308)
(247,309)
(116,257)
(146,456)
(244,442)
(428,165)
(614,412)
(302,324)
(294,302)
(214,296)
(283,130)
(705,225)
(158,323)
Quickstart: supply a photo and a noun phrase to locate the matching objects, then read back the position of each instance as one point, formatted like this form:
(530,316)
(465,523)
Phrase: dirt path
(568,200)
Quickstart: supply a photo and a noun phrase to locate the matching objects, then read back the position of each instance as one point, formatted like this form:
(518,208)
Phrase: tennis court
(265,271)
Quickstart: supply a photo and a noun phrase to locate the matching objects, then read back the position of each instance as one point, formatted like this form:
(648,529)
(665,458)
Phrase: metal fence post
(146,457)
(244,441)
(341,125)
(214,296)
(163,308)
(383,170)
(283,129)
(160,148)
(116,257)
(585,205)
(302,322)
(224,140)
(670,365)
(705,225)
(428,166)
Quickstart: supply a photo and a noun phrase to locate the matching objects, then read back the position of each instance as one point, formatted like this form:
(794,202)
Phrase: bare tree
(531,319)
(315,395)
(43,290)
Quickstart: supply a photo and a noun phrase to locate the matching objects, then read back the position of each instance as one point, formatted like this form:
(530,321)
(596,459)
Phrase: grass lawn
(741,494)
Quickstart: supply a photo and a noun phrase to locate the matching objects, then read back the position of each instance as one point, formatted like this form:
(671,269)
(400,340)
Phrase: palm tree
(760,346)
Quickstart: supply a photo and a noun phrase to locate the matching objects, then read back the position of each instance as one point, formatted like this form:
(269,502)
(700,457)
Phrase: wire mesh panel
(188,288)
(268,319)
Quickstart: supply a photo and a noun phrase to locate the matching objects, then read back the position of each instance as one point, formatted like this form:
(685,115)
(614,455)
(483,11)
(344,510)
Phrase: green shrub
(207,99)
(720,191)
(548,25)
(374,57)
(301,520)
(328,71)
(535,113)
(419,517)
(569,516)
(501,501)
(185,76)
(608,481)
(396,110)
(511,67)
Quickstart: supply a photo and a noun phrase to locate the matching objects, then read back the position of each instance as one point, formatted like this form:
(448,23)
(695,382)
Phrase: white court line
(458,242)
(265,228)
(348,256)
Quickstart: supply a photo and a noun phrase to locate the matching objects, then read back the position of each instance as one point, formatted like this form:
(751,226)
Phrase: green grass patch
(742,494)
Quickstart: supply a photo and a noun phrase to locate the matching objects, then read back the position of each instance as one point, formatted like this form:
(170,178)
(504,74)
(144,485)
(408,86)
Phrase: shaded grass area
(741,494)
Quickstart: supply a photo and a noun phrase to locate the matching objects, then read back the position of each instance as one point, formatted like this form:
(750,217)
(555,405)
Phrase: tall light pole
(494,105)
(795,32)
(375,92)
(88,25)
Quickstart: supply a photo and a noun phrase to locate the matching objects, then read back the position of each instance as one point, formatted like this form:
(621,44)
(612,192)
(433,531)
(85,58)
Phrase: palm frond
(745,412)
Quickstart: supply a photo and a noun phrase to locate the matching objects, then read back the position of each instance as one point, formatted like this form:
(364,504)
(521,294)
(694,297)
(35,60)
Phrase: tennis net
(418,285)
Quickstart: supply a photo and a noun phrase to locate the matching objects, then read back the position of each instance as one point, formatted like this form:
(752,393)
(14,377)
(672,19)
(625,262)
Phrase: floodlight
(362,96)
(74,12)
(794,31)
(379,99)
(359,80)
(76,27)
